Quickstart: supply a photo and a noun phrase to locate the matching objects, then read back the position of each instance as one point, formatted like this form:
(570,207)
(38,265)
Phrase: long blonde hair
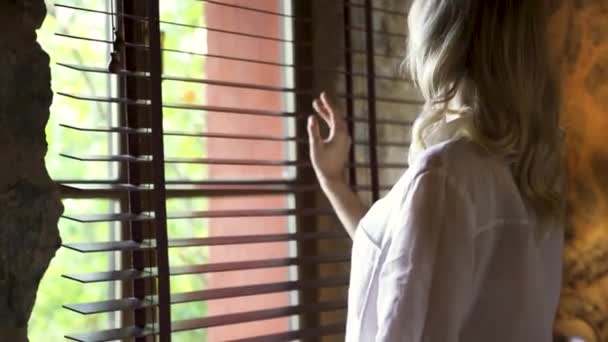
(492,55)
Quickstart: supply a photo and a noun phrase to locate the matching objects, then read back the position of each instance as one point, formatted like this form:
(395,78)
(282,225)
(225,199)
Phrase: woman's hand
(329,156)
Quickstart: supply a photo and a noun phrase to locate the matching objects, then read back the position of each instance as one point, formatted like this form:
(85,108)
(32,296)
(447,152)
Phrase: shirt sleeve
(426,279)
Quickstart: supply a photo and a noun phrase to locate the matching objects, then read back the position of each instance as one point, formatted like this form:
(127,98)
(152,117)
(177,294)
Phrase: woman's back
(477,269)
(517,285)
(516,270)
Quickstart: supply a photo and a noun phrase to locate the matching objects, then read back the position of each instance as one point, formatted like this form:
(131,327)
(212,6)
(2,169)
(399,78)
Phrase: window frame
(133,199)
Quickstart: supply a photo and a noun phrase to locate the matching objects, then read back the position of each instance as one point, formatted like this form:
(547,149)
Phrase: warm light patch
(580,34)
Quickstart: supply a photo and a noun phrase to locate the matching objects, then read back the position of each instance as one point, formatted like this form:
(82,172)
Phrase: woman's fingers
(327,104)
(327,112)
(336,118)
(314,133)
(326,115)
(328,156)
(322,111)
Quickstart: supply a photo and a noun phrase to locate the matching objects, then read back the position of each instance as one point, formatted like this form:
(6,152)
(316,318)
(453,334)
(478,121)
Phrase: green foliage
(184,65)
(49,321)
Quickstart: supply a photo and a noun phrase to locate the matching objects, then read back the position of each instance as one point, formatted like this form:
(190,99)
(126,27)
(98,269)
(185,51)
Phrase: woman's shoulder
(458,159)
(479,176)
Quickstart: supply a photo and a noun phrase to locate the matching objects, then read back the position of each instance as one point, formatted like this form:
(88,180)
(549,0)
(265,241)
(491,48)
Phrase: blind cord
(115,64)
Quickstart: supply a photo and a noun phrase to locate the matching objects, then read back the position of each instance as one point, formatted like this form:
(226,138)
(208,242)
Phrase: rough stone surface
(581,37)
(29,199)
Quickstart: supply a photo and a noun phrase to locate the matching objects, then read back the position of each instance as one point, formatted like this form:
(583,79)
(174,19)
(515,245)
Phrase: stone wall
(29,201)
(580,34)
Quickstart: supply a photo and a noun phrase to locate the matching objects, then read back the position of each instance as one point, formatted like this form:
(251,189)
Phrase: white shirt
(451,254)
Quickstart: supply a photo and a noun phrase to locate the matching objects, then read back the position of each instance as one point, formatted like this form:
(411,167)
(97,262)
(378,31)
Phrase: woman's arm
(329,157)
(346,203)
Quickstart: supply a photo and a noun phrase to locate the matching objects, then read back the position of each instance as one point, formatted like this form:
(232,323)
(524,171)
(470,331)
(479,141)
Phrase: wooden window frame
(142,190)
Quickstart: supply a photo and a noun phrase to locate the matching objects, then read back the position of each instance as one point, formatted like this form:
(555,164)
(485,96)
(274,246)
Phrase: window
(67,111)
(187,185)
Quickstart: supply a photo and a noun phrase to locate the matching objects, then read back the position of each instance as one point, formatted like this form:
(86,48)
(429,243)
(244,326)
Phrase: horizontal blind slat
(218,135)
(125,72)
(131,245)
(250,290)
(112,217)
(128,217)
(193,189)
(110,246)
(127,274)
(130,274)
(112,334)
(215,161)
(111,305)
(258,264)
(307,333)
(214,321)
(205,295)
(229,110)
(119,100)
(260,238)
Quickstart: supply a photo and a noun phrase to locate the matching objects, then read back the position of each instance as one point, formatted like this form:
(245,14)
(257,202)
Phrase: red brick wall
(225,70)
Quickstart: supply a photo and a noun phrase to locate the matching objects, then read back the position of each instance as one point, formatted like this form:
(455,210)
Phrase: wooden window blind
(222,234)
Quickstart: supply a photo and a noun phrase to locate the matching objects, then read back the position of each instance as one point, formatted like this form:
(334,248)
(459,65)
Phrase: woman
(467,245)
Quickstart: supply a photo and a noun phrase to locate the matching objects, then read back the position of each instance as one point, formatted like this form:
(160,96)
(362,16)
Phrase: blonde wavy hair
(492,59)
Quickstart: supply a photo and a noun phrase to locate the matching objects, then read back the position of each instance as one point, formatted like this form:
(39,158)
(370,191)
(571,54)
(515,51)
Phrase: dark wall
(29,202)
